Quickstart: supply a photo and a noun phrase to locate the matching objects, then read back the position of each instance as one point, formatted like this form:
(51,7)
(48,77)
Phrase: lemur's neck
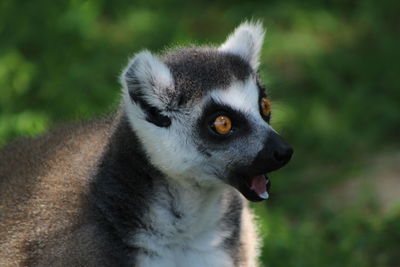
(122,186)
(128,194)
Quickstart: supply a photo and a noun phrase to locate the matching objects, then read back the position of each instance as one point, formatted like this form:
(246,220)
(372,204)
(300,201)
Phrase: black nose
(283,155)
(275,154)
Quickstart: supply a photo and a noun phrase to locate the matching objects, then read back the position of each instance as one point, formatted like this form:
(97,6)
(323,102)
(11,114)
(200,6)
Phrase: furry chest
(190,239)
(204,251)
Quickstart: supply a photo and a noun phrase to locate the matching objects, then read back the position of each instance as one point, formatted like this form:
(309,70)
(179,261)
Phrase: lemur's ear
(148,83)
(246,41)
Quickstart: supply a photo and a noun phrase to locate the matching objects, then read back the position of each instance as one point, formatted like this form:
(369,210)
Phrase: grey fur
(197,70)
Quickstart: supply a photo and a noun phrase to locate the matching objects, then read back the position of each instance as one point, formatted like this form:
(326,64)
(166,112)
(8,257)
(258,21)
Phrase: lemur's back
(41,186)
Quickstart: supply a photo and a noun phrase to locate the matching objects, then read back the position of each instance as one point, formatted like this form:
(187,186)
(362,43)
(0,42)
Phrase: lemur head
(203,116)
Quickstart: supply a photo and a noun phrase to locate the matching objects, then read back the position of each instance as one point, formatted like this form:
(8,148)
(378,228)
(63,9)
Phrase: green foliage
(331,68)
(331,239)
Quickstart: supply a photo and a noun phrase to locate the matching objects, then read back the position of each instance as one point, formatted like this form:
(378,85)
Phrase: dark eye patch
(240,124)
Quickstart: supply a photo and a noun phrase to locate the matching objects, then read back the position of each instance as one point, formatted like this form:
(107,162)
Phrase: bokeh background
(332,70)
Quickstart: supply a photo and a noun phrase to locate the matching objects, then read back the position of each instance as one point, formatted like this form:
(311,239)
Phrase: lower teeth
(264,195)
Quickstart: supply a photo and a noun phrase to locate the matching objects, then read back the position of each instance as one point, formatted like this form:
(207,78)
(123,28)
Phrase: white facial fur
(243,97)
(174,149)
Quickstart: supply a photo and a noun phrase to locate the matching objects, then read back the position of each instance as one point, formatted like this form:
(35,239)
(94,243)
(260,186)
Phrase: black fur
(121,192)
(240,125)
(232,222)
(153,114)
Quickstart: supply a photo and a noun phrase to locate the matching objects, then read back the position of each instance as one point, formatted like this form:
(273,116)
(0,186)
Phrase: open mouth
(260,184)
(255,188)
(250,180)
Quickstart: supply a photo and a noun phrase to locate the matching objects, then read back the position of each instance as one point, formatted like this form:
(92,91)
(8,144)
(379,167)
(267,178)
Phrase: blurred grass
(331,68)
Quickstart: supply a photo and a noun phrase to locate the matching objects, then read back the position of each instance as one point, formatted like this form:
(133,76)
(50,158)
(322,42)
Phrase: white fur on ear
(149,77)
(246,41)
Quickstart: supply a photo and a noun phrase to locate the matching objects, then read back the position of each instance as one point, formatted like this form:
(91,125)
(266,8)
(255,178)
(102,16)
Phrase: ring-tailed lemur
(161,182)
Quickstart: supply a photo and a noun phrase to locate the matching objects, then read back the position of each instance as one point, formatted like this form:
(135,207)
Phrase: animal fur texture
(154,184)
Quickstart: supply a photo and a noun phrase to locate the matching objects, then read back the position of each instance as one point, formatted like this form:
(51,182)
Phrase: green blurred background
(332,70)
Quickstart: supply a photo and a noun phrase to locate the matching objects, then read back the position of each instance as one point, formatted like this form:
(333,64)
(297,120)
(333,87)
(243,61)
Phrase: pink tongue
(259,184)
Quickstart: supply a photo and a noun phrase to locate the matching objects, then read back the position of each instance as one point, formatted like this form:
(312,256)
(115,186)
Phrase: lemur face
(203,116)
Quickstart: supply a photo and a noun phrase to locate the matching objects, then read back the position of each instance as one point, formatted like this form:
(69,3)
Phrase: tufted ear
(148,83)
(246,41)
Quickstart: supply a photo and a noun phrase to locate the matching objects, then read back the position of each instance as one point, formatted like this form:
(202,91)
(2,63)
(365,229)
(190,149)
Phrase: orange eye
(222,125)
(265,107)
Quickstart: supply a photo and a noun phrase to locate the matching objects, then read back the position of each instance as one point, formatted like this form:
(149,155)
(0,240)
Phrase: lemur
(163,181)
